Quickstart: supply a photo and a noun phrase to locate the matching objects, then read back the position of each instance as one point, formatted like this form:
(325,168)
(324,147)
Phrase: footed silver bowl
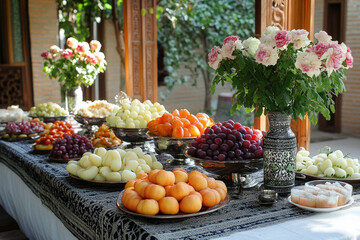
(135,136)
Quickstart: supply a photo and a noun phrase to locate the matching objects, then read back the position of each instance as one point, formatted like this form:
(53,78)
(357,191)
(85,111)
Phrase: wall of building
(43,34)
(351,98)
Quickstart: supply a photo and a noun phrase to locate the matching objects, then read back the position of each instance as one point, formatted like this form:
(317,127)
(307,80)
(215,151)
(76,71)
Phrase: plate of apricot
(173,194)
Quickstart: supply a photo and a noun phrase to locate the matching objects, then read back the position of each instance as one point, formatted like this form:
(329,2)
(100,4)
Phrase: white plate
(322,209)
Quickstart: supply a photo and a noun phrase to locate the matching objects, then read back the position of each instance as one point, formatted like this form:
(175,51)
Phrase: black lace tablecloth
(90,212)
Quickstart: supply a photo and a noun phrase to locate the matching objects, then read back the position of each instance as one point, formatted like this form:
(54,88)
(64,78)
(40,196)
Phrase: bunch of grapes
(228,141)
(71,146)
(17,128)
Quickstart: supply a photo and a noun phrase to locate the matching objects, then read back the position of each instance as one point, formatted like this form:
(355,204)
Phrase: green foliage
(187,29)
(76,15)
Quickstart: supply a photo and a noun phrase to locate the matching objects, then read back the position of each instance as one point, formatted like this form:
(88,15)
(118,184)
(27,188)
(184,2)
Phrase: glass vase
(73,99)
(279,150)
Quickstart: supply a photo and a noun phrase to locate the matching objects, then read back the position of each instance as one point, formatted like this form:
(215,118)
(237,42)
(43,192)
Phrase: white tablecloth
(38,222)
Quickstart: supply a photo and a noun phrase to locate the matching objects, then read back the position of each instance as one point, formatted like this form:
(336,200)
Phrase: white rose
(300,38)
(269,40)
(271,30)
(309,63)
(322,36)
(250,46)
(238,45)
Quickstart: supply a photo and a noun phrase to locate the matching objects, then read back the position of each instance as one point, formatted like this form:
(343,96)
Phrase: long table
(48,204)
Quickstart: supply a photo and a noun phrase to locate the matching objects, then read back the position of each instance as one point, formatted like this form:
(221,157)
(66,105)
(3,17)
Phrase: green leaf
(143,12)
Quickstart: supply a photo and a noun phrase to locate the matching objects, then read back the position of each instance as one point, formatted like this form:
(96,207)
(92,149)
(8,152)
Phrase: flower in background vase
(75,65)
(72,43)
(95,46)
(54,49)
(266,55)
(283,72)
(323,37)
(46,55)
(215,57)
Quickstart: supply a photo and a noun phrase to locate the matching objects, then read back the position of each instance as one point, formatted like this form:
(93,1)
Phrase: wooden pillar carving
(286,14)
(140,49)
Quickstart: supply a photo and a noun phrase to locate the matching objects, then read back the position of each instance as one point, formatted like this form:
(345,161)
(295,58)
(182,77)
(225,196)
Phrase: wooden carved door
(15,69)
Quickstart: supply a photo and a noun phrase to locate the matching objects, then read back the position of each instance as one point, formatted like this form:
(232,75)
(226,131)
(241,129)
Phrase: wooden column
(286,14)
(140,49)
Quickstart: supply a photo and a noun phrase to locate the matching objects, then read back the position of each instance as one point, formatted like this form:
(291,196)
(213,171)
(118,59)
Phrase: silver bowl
(135,136)
(52,119)
(174,146)
(90,121)
(237,172)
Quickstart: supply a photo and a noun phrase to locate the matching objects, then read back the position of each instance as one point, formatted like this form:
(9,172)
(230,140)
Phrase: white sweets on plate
(322,194)
(113,165)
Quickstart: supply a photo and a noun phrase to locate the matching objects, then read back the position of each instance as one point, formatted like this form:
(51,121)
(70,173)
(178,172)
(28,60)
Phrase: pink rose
(266,55)
(334,57)
(72,43)
(67,54)
(54,49)
(215,57)
(349,61)
(299,38)
(99,56)
(231,38)
(46,55)
(282,39)
(309,63)
(83,47)
(95,46)
(90,58)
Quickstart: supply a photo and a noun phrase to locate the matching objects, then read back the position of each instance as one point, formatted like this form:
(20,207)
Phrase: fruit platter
(49,112)
(112,167)
(322,196)
(172,194)
(172,132)
(18,131)
(105,137)
(129,123)
(230,150)
(332,165)
(70,147)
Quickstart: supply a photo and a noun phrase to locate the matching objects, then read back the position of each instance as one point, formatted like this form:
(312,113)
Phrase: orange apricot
(167,190)
(180,190)
(221,192)
(179,169)
(184,113)
(129,184)
(194,131)
(210,197)
(197,194)
(140,187)
(152,175)
(169,205)
(200,126)
(176,113)
(198,182)
(132,202)
(167,118)
(154,191)
(165,129)
(180,176)
(211,182)
(142,176)
(187,132)
(164,178)
(185,122)
(192,118)
(178,132)
(192,189)
(195,172)
(221,184)
(177,123)
(190,204)
(148,207)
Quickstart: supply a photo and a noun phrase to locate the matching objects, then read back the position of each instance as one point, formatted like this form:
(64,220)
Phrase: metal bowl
(132,135)
(245,166)
(52,119)
(174,146)
(89,121)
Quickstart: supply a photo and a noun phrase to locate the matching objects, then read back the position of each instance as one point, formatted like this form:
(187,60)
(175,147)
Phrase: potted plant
(284,75)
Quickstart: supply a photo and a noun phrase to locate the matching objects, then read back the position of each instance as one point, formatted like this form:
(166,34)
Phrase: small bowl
(245,166)
(174,146)
(132,135)
(267,197)
(89,121)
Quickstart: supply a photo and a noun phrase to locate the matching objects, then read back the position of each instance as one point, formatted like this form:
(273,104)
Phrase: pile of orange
(169,192)
(180,124)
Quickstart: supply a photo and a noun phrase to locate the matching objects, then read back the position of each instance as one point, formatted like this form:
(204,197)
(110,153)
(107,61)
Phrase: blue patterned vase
(279,149)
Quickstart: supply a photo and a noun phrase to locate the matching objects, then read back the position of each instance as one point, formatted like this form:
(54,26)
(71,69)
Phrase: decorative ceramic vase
(279,150)
(73,98)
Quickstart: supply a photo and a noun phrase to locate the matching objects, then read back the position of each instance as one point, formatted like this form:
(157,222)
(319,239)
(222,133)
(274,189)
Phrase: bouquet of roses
(283,72)
(79,64)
